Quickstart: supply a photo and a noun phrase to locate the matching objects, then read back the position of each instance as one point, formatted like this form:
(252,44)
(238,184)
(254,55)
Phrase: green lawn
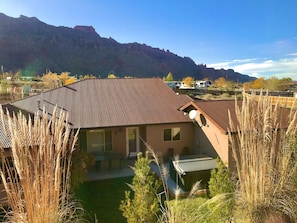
(102,198)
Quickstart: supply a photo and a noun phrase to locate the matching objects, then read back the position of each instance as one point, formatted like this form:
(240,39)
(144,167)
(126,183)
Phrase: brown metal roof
(5,135)
(95,103)
(217,112)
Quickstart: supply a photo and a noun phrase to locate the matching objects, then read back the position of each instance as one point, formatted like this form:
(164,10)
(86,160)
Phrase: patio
(194,166)
(122,170)
(126,171)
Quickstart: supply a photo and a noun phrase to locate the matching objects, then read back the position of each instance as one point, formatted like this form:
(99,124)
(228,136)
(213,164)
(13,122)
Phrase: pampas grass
(37,186)
(264,148)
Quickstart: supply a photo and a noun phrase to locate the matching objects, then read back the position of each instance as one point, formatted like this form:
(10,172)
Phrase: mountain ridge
(32,46)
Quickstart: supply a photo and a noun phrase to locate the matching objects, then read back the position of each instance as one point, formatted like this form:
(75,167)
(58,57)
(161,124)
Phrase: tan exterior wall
(210,137)
(119,140)
(154,136)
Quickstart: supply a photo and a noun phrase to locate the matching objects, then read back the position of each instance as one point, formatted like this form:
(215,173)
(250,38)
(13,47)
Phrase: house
(212,120)
(118,116)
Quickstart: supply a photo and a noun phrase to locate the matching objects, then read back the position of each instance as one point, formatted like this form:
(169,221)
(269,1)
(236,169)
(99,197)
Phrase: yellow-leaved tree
(50,80)
(188,81)
(258,83)
(53,80)
(221,83)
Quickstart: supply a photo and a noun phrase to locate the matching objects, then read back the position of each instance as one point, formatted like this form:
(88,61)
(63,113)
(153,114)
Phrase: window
(99,141)
(172,134)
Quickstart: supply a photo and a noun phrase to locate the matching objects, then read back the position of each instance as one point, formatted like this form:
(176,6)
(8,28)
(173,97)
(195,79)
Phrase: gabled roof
(217,112)
(94,103)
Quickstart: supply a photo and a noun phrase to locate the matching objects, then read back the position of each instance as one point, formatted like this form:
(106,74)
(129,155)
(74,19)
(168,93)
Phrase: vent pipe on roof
(38,104)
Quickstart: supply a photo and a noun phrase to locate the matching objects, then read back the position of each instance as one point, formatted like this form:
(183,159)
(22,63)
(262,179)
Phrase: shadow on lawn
(102,198)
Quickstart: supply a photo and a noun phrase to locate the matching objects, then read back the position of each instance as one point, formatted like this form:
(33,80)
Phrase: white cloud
(286,67)
(292,54)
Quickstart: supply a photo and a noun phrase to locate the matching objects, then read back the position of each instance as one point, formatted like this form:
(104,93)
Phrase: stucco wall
(119,139)
(210,137)
(154,136)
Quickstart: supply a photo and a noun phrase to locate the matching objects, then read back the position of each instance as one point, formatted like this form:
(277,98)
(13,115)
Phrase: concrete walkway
(110,174)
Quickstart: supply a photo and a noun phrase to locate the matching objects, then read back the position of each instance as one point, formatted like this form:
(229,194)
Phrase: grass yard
(102,198)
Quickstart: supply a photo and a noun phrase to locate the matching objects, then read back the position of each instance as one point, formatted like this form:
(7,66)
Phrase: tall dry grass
(37,186)
(264,148)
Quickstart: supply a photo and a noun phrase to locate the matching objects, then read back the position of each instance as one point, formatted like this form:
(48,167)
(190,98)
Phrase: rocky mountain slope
(33,46)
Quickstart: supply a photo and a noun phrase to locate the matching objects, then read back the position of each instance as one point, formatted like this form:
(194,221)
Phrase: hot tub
(189,169)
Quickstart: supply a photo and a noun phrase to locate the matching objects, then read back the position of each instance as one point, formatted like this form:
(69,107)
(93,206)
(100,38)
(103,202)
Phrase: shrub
(221,189)
(220,180)
(142,205)
(81,164)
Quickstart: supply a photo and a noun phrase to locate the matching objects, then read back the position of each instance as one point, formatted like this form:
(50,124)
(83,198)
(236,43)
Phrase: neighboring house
(116,116)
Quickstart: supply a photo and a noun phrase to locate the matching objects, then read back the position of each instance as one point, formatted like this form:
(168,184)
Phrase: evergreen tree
(142,205)
(221,188)
(220,181)
(169,77)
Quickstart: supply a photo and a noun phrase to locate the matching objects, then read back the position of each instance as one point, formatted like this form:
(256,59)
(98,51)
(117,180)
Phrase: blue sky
(254,37)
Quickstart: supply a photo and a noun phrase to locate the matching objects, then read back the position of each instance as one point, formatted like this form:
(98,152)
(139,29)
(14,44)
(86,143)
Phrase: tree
(221,83)
(220,181)
(230,85)
(63,77)
(81,164)
(112,74)
(70,80)
(143,205)
(246,86)
(169,77)
(275,84)
(53,80)
(50,80)
(285,83)
(87,76)
(258,83)
(221,188)
(188,81)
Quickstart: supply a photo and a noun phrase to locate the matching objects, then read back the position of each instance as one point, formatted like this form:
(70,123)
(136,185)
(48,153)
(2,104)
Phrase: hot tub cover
(193,165)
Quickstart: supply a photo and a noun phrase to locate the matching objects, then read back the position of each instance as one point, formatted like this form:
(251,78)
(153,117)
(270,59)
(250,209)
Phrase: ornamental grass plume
(263,140)
(36,175)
